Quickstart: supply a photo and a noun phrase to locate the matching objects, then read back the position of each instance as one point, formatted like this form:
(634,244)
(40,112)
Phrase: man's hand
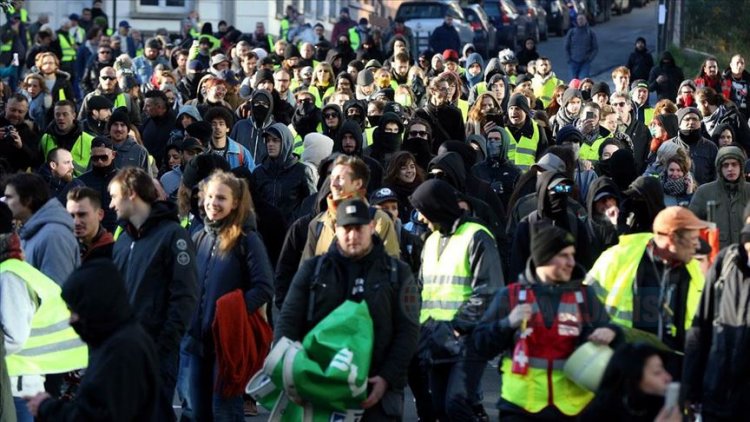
(602,336)
(661,79)
(488,126)
(33,403)
(379,386)
(518,314)
(17,142)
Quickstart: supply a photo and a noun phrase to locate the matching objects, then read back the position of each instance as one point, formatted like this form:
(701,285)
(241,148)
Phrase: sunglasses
(107,78)
(105,52)
(101,158)
(330,115)
(561,188)
(420,133)
(622,104)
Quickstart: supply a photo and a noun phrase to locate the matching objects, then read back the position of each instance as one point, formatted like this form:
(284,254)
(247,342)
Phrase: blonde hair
(331,80)
(41,56)
(37,77)
(232,229)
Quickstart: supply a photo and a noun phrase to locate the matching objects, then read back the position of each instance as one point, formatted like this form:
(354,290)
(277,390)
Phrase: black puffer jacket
(500,173)
(717,371)
(283,182)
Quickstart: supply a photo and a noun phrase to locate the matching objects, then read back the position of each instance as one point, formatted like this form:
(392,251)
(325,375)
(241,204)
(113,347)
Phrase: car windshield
(409,11)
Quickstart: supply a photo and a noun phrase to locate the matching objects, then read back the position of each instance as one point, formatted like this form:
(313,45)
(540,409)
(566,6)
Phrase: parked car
(424,16)
(622,6)
(485,34)
(510,24)
(558,18)
(538,18)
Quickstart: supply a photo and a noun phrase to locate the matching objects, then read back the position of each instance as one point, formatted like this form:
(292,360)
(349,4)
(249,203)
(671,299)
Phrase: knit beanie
(569,94)
(521,102)
(262,75)
(99,102)
(547,242)
(119,115)
(365,78)
(291,51)
(569,133)
(201,167)
(687,82)
(681,113)
(600,87)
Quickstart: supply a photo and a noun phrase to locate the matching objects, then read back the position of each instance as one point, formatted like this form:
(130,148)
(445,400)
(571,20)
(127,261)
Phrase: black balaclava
(261,107)
(438,202)
(306,118)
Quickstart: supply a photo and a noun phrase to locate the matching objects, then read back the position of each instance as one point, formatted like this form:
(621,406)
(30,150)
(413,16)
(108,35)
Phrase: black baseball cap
(383,195)
(352,212)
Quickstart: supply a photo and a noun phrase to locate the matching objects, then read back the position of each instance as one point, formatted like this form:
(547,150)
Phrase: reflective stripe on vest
(81,151)
(447,276)
(591,152)
(68,52)
(52,347)
(523,152)
(613,274)
(548,349)
(354,38)
(120,101)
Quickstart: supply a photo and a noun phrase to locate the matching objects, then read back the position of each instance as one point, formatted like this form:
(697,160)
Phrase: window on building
(320,10)
(164,6)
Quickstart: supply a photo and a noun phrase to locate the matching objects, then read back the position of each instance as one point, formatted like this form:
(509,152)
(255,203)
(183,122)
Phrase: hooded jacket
(562,117)
(640,63)
(283,182)
(376,170)
(602,233)
(157,262)
(521,249)
(643,199)
(492,68)
(110,390)
(730,198)
(249,133)
(155,132)
(331,131)
(496,170)
(641,137)
(666,67)
(728,114)
(474,80)
(384,145)
(446,122)
(48,241)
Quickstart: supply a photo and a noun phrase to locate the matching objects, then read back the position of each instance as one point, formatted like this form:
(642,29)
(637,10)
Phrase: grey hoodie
(48,241)
(249,134)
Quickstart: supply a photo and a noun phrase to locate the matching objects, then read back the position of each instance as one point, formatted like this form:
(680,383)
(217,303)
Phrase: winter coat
(737,91)
(58,187)
(581,45)
(99,181)
(716,371)
(28,155)
(521,249)
(157,262)
(728,114)
(640,64)
(641,137)
(500,173)
(155,134)
(134,110)
(445,37)
(246,267)
(668,68)
(284,182)
(447,124)
(393,307)
(249,134)
(144,67)
(48,242)
(703,153)
(62,86)
(601,232)
(730,199)
(131,154)
(376,170)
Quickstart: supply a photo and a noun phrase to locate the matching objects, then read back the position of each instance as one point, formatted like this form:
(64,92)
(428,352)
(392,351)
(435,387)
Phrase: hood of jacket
(454,171)
(466,49)
(543,181)
(648,189)
(467,153)
(100,302)
(726,152)
(262,93)
(336,109)
(52,212)
(191,111)
(472,59)
(600,184)
(481,142)
(316,147)
(161,211)
(721,127)
(670,124)
(666,59)
(349,126)
(282,132)
(332,55)
(493,68)
(502,155)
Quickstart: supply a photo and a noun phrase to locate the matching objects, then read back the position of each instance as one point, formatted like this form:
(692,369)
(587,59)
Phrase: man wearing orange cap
(650,281)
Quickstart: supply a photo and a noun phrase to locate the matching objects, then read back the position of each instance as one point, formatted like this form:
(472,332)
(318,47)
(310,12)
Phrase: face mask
(687,99)
(494,149)
(690,135)
(374,120)
(417,146)
(558,203)
(389,141)
(260,112)
(103,170)
(652,131)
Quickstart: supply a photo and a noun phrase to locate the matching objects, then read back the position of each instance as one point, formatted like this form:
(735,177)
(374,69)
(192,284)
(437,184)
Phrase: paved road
(616,40)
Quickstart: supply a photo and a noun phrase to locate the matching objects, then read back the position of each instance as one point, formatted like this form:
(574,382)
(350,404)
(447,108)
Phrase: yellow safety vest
(354,39)
(316,93)
(81,150)
(299,144)
(613,274)
(447,276)
(368,134)
(463,105)
(68,52)
(591,152)
(481,88)
(544,91)
(53,346)
(648,115)
(23,12)
(523,152)
(284,28)
(121,101)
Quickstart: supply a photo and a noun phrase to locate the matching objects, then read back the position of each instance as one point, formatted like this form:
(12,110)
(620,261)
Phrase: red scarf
(10,247)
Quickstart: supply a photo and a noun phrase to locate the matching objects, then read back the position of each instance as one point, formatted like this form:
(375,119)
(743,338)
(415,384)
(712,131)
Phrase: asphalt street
(616,40)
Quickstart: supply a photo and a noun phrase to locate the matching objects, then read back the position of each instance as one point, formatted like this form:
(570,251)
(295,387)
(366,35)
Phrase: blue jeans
(208,405)
(22,412)
(183,381)
(579,70)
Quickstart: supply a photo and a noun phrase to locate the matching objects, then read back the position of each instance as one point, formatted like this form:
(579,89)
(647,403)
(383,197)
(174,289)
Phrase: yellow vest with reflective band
(354,39)
(23,12)
(121,101)
(591,152)
(53,347)
(512,80)
(68,52)
(81,150)
(544,384)
(544,91)
(447,276)
(284,28)
(463,105)
(316,94)
(523,152)
(613,274)
(270,42)
(299,144)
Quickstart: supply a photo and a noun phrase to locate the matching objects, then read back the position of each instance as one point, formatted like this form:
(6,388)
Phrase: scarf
(675,187)
(10,247)
(333,203)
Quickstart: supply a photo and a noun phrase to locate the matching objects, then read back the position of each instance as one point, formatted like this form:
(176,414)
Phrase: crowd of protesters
(193,203)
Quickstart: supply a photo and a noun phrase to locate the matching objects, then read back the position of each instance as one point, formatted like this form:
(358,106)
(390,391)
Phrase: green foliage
(716,27)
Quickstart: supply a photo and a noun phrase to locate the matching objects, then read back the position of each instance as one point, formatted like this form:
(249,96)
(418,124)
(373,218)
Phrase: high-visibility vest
(523,152)
(481,88)
(68,52)
(463,105)
(298,147)
(648,115)
(319,98)
(23,12)
(121,101)
(6,47)
(53,347)
(613,274)
(545,384)
(354,38)
(544,91)
(369,131)
(591,152)
(81,150)
(447,276)
(270,43)
(284,25)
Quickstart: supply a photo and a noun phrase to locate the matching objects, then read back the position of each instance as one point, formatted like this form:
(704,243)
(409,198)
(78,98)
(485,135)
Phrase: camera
(8,133)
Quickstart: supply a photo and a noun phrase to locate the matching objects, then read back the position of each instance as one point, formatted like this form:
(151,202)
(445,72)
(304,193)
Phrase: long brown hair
(475,114)
(399,160)
(232,229)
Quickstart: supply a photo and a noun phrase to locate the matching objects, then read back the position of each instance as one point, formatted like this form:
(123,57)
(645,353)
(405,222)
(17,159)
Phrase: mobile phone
(589,115)
(672,396)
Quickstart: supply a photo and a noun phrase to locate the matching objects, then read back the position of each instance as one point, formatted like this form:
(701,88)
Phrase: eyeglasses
(101,158)
(562,188)
(330,115)
(107,78)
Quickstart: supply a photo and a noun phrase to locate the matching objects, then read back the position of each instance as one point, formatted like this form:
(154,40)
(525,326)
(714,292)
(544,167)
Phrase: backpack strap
(313,287)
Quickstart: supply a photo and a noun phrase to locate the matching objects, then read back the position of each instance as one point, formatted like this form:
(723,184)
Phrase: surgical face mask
(652,130)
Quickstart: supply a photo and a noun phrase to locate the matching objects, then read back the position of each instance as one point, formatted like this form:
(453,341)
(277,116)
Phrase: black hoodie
(376,170)
(111,390)
(331,131)
(641,202)
(521,249)
(602,233)
(674,75)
